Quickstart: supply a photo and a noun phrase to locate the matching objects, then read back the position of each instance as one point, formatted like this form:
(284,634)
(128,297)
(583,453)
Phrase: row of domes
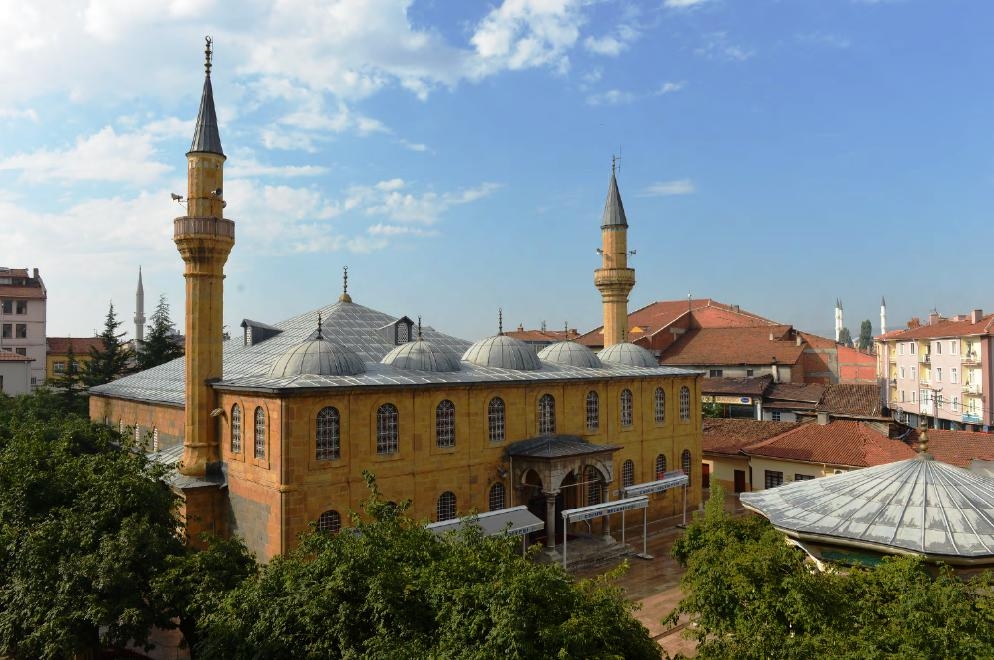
(322,357)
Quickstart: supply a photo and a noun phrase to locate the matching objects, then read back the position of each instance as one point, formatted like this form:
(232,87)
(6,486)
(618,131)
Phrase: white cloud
(669,88)
(613,44)
(620,97)
(669,188)
(717,46)
(827,39)
(522,34)
(683,4)
(414,146)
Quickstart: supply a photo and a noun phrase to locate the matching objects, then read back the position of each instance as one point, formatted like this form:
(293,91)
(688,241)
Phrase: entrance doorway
(740,481)
(705,475)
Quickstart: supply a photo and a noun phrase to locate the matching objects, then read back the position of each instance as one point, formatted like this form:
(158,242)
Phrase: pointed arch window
(495,419)
(685,464)
(627,473)
(387,423)
(593,411)
(497,499)
(659,405)
(626,408)
(546,415)
(445,508)
(684,403)
(260,432)
(660,466)
(445,425)
(236,429)
(328,435)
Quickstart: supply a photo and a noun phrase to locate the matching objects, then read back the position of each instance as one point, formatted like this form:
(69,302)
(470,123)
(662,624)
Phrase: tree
(865,335)
(159,346)
(70,382)
(87,521)
(110,361)
(753,596)
(389,588)
(845,337)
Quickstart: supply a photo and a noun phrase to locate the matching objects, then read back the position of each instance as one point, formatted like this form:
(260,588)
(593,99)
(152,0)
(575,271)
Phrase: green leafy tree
(845,337)
(389,588)
(110,361)
(865,335)
(86,522)
(712,409)
(159,346)
(753,596)
(69,383)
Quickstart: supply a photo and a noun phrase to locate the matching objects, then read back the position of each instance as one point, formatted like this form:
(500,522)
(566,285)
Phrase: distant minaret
(614,279)
(204,239)
(140,310)
(883,316)
(838,319)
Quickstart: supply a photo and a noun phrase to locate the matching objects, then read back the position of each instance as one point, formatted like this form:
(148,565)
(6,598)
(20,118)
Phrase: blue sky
(775,154)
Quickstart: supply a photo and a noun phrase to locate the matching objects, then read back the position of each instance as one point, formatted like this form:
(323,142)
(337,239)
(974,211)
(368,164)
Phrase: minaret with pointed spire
(140,310)
(883,316)
(838,319)
(614,279)
(204,239)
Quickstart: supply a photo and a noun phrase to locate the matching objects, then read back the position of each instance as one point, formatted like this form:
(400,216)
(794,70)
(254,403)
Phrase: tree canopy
(865,334)
(845,337)
(390,588)
(752,595)
(159,345)
(69,383)
(110,361)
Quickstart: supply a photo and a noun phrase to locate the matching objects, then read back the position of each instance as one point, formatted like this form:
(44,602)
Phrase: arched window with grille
(627,473)
(445,425)
(684,403)
(685,464)
(328,435)
(546,415)
(593,411)
(236,429)
(445,508)
(497,498)
(495,419)
(659,405)
(626,407)
(387,422)
(660,466)
(592,479)
(260,432)
(329,522)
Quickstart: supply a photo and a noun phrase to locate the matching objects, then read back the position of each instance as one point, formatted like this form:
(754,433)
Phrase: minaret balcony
(187,227)
(608,277)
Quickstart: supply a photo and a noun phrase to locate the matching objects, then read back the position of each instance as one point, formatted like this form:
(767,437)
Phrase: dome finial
(419,327)
(345,297)
(614,164)
(320,335)
(207,54)
(500,320)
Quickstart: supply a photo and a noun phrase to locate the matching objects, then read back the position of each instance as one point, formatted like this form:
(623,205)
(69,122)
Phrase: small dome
(421,355)
(503,352)
(628,355)
(571,354)
(318,357)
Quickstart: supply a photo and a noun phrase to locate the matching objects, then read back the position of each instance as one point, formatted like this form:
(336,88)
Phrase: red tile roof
(852,400)
(29,292)
(729,436)
(550,336)
(944,328)
(727,346)
(806,392)
(80,345)
(845,443)
(11,356)
(959,447)
(753,386)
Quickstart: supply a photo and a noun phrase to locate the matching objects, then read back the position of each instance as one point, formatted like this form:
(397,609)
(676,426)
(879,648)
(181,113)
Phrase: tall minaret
(139,310)
(614,279)
(883,316)
(838,319)
(204,240)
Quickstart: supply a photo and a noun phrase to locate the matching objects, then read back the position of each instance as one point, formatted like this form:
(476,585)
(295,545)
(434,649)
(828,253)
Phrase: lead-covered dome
(318,357)
(627,355)
(571,354)
(502,352)
(421,355)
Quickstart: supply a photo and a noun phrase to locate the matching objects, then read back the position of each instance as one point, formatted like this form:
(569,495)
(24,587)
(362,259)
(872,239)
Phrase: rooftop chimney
(798,339)
(976,315)
(933,318)
(822,418)
(771,336)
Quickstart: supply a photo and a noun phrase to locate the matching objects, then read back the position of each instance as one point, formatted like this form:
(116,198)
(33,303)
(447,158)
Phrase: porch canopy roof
(556,446)
(672,479)
(515,521)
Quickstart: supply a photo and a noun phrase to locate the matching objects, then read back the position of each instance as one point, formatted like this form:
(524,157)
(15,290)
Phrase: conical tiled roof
(206,138)
(614,210)
(918,505)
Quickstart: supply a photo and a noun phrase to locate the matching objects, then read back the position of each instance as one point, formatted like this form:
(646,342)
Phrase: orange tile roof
(729,436)
(845,443)
(807,392)
(80,345)
(944,328)
(29,291)
(11,356)
(543,335)
(753,386)
(960,447)
(721,346)
(856,400)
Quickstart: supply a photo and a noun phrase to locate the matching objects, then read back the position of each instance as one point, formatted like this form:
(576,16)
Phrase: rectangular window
(952,346)
(914,347)
(900,348)
(8,331)
(953,375)
(22,307)
(914,373)
(21,351)
(715,373)
(912,396)
(938,374)
(8,307)
(902,396)
(58,367)
(773,479)
(902,372)
(938,348)
(21,330)
(749,372)
(803,477)
(775,415)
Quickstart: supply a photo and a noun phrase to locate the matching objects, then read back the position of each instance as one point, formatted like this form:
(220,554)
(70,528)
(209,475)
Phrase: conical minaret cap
(614,210)
(206,138)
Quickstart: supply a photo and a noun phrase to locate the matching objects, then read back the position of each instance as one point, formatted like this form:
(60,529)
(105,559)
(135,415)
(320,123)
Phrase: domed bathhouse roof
(421,355)
(628,355)
(570,353)
(319,357)
(503,352)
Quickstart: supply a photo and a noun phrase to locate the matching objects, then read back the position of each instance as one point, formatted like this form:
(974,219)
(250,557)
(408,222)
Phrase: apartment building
(22,317)
(939,372)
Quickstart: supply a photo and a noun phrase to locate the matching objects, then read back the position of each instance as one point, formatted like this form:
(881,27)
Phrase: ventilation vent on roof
(399,332)
(256,332)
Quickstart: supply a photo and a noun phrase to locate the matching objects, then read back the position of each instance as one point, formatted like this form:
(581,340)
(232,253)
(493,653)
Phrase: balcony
(971,389)
(970,359)
(925,358)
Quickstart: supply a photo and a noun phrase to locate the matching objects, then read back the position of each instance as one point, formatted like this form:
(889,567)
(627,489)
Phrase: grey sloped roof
(319,357)
(614,210)
(357,328)
(570,353)
(206,137)
(625,354)
(555,446)
(919,505)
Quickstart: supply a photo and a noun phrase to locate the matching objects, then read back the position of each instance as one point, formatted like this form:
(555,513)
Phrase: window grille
(626,407)
(627,473)
(659,405)
(593,411)
(260,433)
(386,429)
(330,522)
(685,403)
(495,419)
(685,465)
(593,486)
(328,435)
(236,429)
(497,500)
(446,506)
(546,415)
(660,466)
(445,424)
(773,479)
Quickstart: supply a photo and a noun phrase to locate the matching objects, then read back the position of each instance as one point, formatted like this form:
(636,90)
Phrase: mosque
(273,429)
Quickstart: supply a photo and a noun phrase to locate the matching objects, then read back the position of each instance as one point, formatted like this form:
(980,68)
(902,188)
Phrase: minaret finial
(500,320)
(419,327)
(614,164)
(320,331)
(345,297)
(207,54)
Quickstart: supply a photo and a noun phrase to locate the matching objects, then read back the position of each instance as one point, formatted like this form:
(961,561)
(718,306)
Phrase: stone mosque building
(273,429)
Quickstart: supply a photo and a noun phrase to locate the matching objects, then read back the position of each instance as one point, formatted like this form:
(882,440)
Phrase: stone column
(606,520)
(550,522)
